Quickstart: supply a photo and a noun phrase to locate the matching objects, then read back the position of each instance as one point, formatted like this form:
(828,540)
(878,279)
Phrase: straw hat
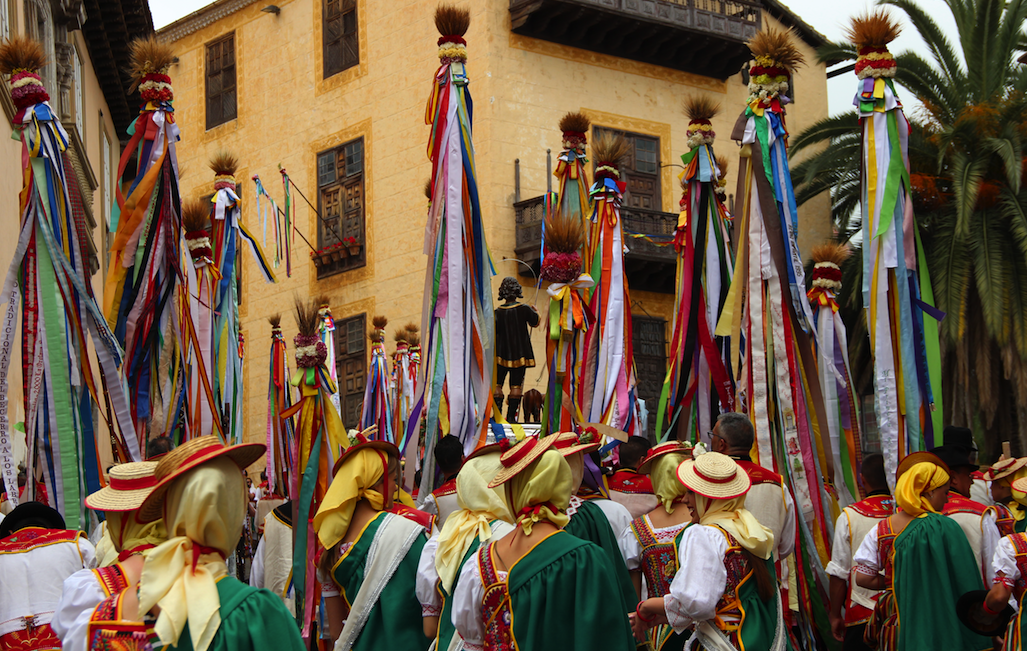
(1004,468)
(911,460)
(569,443)
(714,475)
(1018,485)
(361,441)
(129,485)
(187,456)
(483,450)
(520,456)
(661,450)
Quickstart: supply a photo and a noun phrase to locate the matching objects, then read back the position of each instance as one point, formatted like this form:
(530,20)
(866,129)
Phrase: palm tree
(968,177)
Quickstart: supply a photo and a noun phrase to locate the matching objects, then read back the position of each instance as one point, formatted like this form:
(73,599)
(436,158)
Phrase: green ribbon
(895,176)
(932,347)
(554,319)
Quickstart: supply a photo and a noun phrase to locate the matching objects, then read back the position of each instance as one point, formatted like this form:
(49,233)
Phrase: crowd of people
(517,550)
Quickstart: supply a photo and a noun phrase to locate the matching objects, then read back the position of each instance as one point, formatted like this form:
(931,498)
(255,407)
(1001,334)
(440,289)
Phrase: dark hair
(510,288)
(449,454)
(764,581)
(159,445)
(872,469)
(632,451)
(736,430)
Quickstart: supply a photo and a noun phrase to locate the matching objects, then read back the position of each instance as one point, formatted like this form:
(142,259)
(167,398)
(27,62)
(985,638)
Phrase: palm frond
(831,53)
(875,28)
(778,45)
(224,163)
(21,53)
(843,125)
(610,148)
(700,106)
(451,20)
(195,215)
(148,55)
(575,121)
(306,316)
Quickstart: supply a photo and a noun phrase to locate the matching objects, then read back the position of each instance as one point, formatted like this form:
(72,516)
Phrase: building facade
(334,91)
(87,46)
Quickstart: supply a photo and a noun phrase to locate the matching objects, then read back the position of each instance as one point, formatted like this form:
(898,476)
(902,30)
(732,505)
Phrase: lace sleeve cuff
(430,610)
(866,569)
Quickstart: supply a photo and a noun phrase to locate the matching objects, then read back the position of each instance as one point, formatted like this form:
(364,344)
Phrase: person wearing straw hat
(539,588)
(369,567)
(129,484)
(483,515)
(650,544)
(853,524)
(725,586)
(36,555)
(597,520)
(921,562)
(201,493)
(1010,516)
(1010,563)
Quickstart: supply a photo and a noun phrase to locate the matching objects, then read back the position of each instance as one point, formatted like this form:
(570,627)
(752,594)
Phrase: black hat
(970,609)
(30,514)
(959,450)
(959,437)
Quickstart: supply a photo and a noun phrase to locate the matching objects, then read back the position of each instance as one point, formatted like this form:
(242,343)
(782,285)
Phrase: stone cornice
(201,18)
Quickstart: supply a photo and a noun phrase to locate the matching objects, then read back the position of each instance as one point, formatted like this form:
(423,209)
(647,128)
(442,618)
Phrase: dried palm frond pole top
(871,33)
(377,333)
(196,223)
(575,128)
(776,58)
(310,350)
(609,150)
(150,61)
(827,265)
(700,110)
(22,57)
(224,164)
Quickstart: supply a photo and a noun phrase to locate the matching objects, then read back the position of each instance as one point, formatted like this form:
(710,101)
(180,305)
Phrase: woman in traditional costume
(129,484)
(370,555)
(650,543)
(922,562)
(483,515)
(539,588)
(201,492)
(1010,565)
(725,586)
(597,519)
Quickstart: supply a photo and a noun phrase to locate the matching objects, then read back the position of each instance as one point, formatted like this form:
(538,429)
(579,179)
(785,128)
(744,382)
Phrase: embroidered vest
(1004,519)
(111,578)
(495,604)
(729,609)
(658,560)
(862,517)
(1020,547)
(885,546)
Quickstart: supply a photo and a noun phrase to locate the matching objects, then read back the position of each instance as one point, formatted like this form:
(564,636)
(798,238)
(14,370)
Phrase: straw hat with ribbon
(569,443)
(520,456)
(130,484)
(714,475)
(361,441)
(187,456)
(661,450)
(1005,468)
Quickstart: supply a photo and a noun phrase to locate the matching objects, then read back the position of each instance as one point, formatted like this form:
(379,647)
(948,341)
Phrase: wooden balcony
(705,37)
(648,266)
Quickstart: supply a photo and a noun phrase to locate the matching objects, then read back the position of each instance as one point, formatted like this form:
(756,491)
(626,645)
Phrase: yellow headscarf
(203,512)
(362,470)
(732,516)
(127,533)
(919,479)
(545,483)
(664,476)
(479,505)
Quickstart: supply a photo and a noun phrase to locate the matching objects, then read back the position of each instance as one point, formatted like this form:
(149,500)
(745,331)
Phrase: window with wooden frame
(340,227)
(640,170)
(351,365)
(222,104)
(650,352)
(339,36)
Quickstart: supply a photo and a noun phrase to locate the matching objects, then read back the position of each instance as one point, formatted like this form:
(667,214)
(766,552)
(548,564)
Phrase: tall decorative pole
(608,384)
(901,319)
(49,281)
(377,409)
(457,316)
(326,331)
(202,280)
(281,436)
(146,257)
(839,397)
(699,384)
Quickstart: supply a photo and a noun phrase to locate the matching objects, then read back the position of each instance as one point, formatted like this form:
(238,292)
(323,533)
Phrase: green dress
(934,566)
(563,596)
(395,619)
(590,523)
(251,619)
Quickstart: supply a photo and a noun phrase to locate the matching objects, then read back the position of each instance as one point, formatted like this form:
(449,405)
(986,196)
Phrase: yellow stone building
(334,91)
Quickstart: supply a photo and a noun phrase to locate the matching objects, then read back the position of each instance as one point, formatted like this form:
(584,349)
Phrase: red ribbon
(126,553)
(138,483)
(529,511)
(200,550)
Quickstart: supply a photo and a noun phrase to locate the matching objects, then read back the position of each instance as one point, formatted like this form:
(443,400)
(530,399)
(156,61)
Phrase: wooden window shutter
(340,38)
(220,83)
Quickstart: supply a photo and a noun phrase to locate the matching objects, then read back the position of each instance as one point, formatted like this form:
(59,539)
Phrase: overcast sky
(829,18)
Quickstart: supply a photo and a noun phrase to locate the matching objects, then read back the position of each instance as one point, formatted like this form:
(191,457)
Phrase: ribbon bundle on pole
(319,438)
(563,238)
(403,381)
(377,409)
(202,278)
(901,319)
(326,331)
(608,384)
(457,317)
(839,398)
(770,321)
(142,285)
(281,244)
(698,385)
(49,280)
(227,233)
(281,436)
